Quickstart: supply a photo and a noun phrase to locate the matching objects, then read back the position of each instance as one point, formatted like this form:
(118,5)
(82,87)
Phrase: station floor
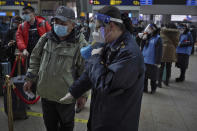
(172,108)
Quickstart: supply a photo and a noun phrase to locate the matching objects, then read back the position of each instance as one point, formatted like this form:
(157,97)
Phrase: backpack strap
(22,26)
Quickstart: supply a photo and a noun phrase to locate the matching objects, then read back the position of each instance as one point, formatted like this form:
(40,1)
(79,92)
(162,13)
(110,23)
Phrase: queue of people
(171,44)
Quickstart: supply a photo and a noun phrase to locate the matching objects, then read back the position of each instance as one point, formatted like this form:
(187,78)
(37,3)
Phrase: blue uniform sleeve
(80,86)
(117,77)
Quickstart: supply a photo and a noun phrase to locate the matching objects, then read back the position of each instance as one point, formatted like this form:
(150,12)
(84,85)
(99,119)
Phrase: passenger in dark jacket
(183,51)
(10,39)
(152,52)
(115,73)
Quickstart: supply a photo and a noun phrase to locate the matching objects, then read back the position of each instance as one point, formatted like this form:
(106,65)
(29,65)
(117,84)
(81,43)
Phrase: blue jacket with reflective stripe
(186,40)
(152,52)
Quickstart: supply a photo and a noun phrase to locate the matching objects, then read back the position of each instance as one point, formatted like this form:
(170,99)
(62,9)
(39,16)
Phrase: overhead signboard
(191,2)
(146,2)
(169,2)
(116,2)
(14,3)
(181,17)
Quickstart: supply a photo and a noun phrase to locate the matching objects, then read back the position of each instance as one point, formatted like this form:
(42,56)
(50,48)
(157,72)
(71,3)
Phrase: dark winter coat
(116,79)
(11,35)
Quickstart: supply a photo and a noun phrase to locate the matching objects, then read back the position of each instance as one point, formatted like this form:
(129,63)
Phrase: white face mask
(181,31)
(98,37)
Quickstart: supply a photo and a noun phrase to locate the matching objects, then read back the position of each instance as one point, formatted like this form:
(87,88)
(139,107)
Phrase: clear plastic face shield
(101,22)
(147,31)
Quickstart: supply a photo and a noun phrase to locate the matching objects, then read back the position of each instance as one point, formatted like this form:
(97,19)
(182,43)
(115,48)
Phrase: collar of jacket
(73,37)
(123,37)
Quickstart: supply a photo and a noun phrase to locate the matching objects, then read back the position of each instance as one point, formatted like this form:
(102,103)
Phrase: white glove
(158,66)
(66,97)
(12,42)
(145,36)
(140,35)
(97,51)
(25,52)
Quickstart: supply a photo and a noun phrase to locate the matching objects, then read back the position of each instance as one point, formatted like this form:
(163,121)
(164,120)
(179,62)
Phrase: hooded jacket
(170,40)
(51,65)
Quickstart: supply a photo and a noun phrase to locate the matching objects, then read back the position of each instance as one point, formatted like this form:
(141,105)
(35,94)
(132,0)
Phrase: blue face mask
(91,25)
(14,25)
(78,24)
(26,17)
(7,22)
(60,30)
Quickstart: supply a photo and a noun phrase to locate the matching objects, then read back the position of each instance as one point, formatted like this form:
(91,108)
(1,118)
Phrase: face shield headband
(106,19)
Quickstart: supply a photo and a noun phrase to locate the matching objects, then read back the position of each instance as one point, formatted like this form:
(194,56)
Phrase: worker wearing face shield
(115,73)
(152,52)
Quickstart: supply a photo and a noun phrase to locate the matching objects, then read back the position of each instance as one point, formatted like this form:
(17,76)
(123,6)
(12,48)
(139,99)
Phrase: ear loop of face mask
(102,30)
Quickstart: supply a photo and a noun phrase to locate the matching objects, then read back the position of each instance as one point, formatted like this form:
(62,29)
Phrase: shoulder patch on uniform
(122,45)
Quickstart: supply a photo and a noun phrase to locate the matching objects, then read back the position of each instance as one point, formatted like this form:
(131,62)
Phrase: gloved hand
(86,52)
(11,43)
(66,97)
(25,53)
(143,36)
(97,51)
(27,86)
(157,65)
(140,35)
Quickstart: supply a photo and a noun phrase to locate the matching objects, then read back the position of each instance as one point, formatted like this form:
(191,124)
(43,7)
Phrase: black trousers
(153,84)
(58,117)
(168,71)
(182,75)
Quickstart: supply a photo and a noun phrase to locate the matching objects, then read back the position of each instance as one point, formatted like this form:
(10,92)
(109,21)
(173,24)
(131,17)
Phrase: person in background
(183,51)
(4,25)
(170,39)
(86,30)
(10,39)
(92,27)
(30,31)
(193,32)
(152,52)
